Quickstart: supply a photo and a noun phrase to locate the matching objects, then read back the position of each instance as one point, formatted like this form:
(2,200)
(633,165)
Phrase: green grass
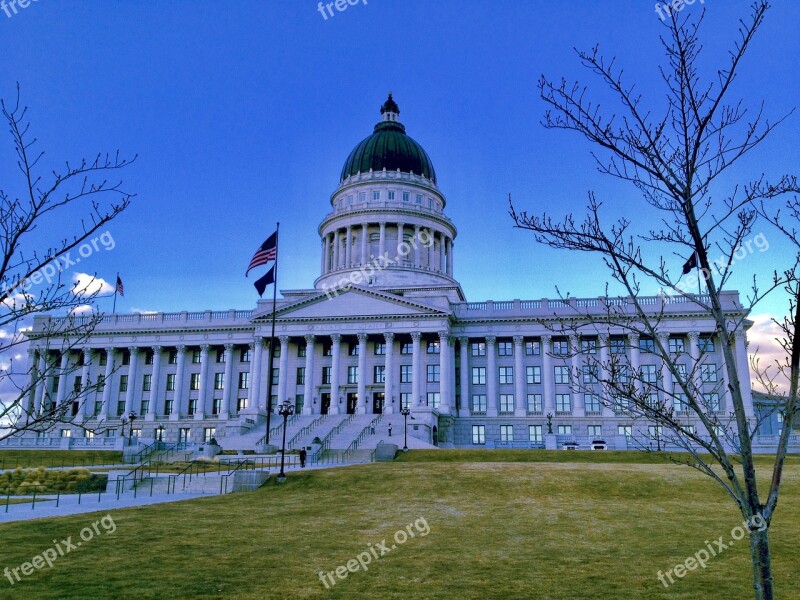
(500,527)
(11,459)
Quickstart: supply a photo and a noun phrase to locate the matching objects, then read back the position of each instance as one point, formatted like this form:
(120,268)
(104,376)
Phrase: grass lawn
(499,527)
(11,459)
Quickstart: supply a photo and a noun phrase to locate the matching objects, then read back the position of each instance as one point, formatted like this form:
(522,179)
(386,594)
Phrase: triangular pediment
(355,303)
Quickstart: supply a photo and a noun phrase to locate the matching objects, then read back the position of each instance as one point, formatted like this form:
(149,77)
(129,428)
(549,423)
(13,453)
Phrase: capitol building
(386,325)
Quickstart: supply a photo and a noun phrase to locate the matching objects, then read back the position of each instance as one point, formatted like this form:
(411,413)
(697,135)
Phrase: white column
(388,373)
(155,386)
(130,396)
(361,409)
(41,375)
(348,247)
(86,409)
(61,391)
(416,369)
(578,408)
(548,383)
(382,242)
(417,249)
(445,362)
(107,383)
(227,385)
(336,351)
(400,227)
(693,375)
(283,371)
(335,241)
(364,238)
(449,248)
(466,399)
(520,397)
(308,389)
(603,375)
(323,268)
(442,253)
(256,351)
(666,374)
(202,395)
(431,250)
(743,369)
(30,404)
(633,341)
(180,402)
(491,376)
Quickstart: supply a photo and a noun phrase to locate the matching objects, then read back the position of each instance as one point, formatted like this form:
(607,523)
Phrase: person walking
(390,430)
(303,455)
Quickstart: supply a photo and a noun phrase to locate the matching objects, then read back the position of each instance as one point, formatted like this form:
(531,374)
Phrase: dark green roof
(389,148)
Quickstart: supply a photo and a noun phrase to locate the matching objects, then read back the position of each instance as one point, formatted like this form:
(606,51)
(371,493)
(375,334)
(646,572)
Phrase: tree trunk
(762,565)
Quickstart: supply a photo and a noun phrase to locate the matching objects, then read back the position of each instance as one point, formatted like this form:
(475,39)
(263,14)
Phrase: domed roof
(389,147)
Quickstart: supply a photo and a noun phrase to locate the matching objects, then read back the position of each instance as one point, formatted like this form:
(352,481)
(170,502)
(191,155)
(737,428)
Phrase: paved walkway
(68,504)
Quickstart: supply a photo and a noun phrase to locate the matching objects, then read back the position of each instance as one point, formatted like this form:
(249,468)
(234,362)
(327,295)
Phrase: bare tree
(674,157)
(78,201)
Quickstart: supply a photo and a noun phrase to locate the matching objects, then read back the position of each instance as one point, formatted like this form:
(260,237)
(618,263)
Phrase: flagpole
(272,336)
(116,287)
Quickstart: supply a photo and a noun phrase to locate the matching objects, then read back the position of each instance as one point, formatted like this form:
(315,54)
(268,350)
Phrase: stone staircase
(343,439)
(322,428)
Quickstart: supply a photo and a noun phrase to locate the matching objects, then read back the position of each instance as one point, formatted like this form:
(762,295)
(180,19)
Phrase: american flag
(120,288)
(266,252)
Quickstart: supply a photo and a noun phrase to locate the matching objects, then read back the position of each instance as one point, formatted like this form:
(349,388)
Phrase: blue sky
(242,113)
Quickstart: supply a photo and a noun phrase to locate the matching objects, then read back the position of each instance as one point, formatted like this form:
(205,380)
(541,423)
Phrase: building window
(76,384)
(479,403)
(301,350)
(506,433)
(170,382)
(478,434)
(208,433)
(362,196)
(595,431)
(405,373)
(184,434)
(506,403)
(101,382)
(352,349)
(589,373)
(676,345)
(301,376)
(433,347)
(390,194)
(535,434)
(655,432)
(241,404)
(506,375)
(533,348)
(55,384)
(173,357)
(533,374)
(626,430)
(680,402)
(406,196)
(144,407)
(194,381)
(103,359)
(244,355)
(379,374)
(647,345)
(148,357)
(565,430)
(192,406)
(147,381)
(276,375)
(589,346)
(433,373)
(219,381)
(505,349)
(126,357)
(591,403)
(619,374)
(649,374)
(651,400)
(433,399)
(706,345)
(419,198)
(196,356)
(405,400)
(123,383)
(563,403)
(168,407)
(120,407)
(478,375)
(244,380)
(534,403)
(708,373)
(617,345)
(682,371)
(65,433)
(352,374)
(380,348)
(478,348)
(216,406)
(561,374)
(406,348)
(326,375)
(220,356)
(712,402)
(560,347)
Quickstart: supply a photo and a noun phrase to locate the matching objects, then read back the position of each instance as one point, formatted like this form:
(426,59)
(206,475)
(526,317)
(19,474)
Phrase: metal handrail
(305,430)
(326,441)
(360,438)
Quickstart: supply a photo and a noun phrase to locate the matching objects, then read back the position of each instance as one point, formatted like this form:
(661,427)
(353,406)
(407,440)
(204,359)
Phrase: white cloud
(86,284)
(144,311)
(763,337)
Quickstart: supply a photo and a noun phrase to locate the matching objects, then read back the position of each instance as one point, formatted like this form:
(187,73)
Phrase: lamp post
(131,419)
(284,410)
(405,411)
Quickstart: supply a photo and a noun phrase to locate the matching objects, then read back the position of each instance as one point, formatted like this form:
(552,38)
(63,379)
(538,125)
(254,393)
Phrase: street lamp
(131,419)
(285,410)
(405,411)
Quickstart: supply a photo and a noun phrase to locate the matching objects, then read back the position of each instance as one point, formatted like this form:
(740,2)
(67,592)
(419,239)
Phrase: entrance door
(377,403)
(326,403)
(352,401)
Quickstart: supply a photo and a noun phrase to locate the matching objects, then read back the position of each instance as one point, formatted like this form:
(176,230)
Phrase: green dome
(389,148)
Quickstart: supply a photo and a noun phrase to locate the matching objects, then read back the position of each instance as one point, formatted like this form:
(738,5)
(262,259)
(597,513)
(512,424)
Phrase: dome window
(406,196)
(362,196)
(376,195)
(419,198)
(391,194)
